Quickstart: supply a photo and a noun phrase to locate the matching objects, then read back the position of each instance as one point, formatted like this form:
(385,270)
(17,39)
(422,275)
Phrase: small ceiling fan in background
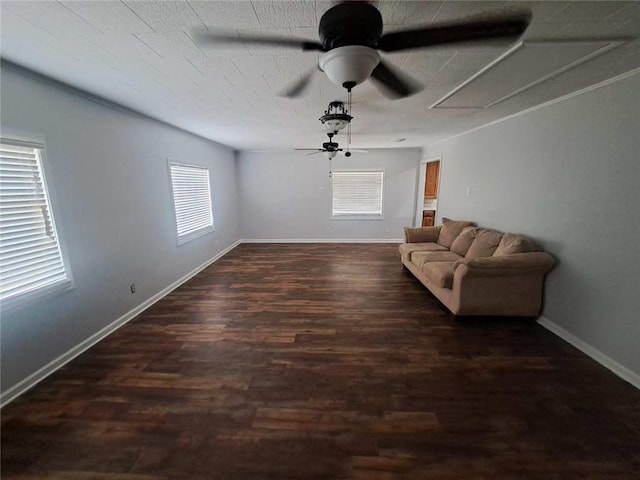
(331,149)
(350,35)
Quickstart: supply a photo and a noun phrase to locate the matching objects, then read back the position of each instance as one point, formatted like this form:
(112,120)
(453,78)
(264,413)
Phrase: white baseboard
(322,240)
(39,375)
(606,361)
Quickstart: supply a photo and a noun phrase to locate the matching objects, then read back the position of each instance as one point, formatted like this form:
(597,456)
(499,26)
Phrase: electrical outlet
(386,229)
(468,192)
(133,288)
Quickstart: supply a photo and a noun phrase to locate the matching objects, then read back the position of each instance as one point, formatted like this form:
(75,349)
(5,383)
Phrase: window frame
(188,237)
(359,216)
(63,285)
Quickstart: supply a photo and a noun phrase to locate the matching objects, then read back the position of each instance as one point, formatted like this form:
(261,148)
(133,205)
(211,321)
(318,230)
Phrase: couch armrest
(515,264)
(421,234)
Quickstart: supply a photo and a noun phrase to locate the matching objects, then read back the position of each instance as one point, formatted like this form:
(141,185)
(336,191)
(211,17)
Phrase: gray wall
(287,195)
(568,175)
(108,172)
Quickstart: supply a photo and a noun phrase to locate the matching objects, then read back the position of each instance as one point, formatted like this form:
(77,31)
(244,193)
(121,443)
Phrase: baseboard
(322,240)
(36,377)
(597,355)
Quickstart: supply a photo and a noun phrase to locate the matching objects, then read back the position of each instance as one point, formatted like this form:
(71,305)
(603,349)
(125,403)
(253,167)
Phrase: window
(357,194)
(31,263)
(191,200)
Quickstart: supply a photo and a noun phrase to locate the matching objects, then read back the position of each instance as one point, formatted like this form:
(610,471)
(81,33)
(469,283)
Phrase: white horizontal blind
(191,198)
(30,257)
(357,192)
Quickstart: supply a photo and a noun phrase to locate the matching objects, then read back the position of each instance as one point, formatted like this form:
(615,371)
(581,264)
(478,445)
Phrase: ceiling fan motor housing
(330,146)
(350,32)
(350,23)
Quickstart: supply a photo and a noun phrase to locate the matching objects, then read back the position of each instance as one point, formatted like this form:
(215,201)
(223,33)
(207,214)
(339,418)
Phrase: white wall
(568,175)
(287,195)
(108,171)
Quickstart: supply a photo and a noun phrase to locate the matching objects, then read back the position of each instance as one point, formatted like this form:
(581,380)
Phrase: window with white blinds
(30,259)
(357,193)
(191,200)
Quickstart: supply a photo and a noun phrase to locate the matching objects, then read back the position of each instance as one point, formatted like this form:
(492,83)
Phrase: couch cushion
(463,241)
(420,258)
(450,230)
(441,273)
(485,243)
(518,264)
(512,243)
(407,249)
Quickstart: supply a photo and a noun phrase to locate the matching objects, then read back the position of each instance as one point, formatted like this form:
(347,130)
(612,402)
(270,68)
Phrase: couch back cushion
(450,230)
(485,243)
(512,243)
(463,241)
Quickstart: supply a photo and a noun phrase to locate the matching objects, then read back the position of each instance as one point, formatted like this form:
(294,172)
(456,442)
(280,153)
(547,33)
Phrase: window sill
(357,217)
(29,298)
(193,235)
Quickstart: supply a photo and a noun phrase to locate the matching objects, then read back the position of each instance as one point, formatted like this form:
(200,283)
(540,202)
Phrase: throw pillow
(511,244)
(463,241)
(450,230)
(485,243)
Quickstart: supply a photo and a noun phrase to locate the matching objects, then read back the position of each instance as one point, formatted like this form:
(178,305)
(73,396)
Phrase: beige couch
(477,271)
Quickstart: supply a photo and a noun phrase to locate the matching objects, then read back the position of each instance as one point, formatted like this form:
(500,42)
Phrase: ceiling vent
(524,66)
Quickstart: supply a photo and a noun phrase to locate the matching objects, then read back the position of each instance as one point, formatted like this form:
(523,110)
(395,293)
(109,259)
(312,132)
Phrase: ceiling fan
(331,149)
(350,35)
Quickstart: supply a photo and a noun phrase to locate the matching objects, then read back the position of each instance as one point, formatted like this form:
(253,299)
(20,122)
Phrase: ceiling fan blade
(313,153)
(298,87)
(394,83)
(499,28)
(347,153)
(213,38)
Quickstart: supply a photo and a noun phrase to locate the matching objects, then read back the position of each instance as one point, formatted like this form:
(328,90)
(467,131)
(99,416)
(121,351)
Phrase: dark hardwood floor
(322,362)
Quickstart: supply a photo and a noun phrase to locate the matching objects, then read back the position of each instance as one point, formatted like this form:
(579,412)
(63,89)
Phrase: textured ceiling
(140,54)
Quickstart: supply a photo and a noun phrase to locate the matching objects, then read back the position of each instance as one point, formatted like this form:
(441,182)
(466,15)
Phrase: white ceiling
(140,54)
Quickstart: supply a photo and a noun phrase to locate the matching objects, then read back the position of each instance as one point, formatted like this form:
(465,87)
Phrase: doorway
(428,188)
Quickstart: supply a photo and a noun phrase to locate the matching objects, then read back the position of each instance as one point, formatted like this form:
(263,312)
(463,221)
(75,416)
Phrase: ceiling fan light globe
(336,117)
(351,64)
(329,154)
(335,125)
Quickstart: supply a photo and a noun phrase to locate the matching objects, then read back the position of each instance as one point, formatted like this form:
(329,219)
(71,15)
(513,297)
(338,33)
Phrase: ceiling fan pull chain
(349,126)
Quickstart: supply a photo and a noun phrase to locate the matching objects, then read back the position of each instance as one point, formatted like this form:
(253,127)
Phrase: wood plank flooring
(322,362)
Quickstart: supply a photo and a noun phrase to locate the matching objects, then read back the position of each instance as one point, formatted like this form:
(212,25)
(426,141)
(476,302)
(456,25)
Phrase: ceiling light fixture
(349,65)
(336,117)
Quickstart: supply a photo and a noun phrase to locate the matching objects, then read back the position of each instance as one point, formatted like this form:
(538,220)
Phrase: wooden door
(428,218)
(431,183)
